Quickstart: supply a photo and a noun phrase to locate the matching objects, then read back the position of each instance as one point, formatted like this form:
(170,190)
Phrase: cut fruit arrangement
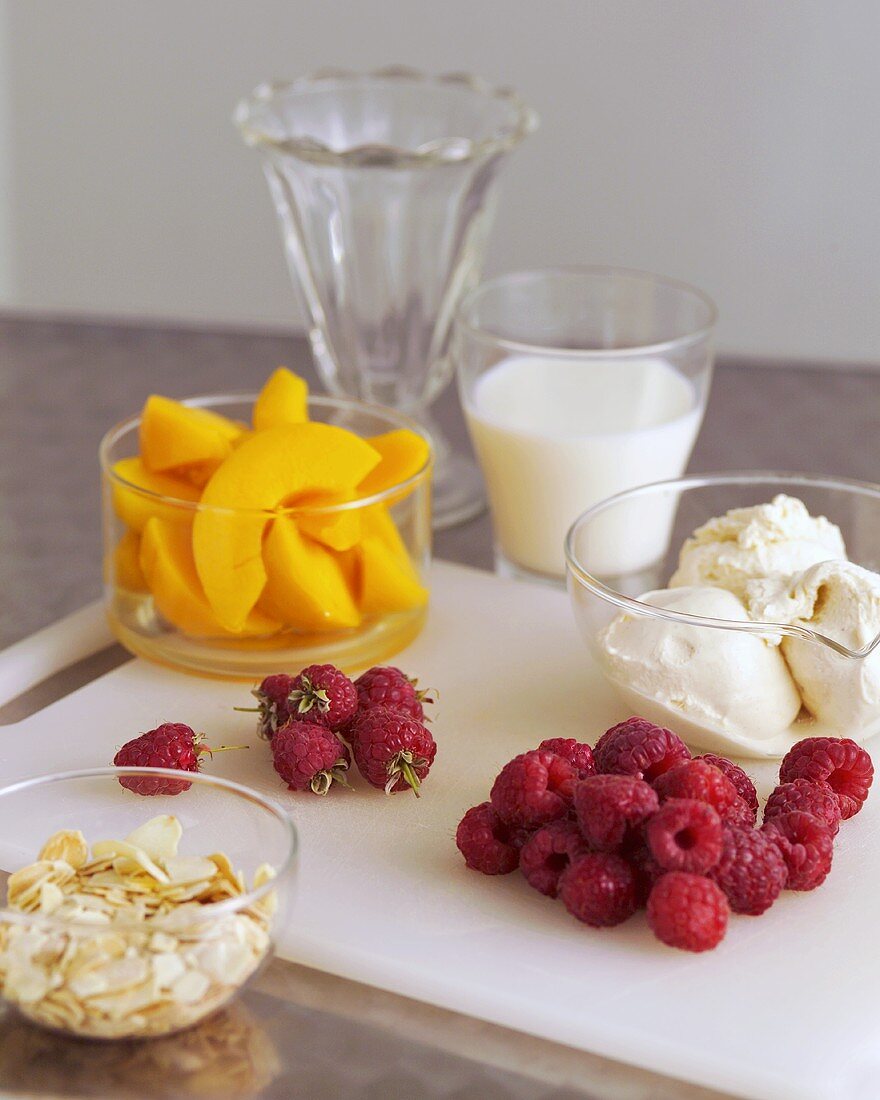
(309,718)
(241,532)
(634,822)
(637,822)
(315,723)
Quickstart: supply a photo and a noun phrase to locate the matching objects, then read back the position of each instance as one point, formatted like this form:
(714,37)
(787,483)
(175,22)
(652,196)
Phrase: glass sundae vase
(384,185)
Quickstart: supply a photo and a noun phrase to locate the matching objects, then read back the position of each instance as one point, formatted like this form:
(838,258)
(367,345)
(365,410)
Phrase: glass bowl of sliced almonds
(129,916)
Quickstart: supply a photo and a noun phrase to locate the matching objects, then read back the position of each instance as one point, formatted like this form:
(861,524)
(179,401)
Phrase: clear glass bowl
(628,545)
(131,977)
(167,619)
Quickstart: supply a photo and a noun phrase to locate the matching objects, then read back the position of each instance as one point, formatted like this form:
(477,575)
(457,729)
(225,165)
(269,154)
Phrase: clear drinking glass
(384,187)
(577,383)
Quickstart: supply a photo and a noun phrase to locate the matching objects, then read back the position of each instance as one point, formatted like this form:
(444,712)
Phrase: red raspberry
(579,755)
(392,752)
(487,844)
(609,806)
(751,870)
(599,888)
(745,788)
(321,693)
(699,780)
(688,911)
(647,871)
(813,798)
(309,757)
(386,686)
(172,745)
(548,852)
(534,788)
(806,844)
(273,706)
(638,747)
(837,761)
(685,835)
(740,813)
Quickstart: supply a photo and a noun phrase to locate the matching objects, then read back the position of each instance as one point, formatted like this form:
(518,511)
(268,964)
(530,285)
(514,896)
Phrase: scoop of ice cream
(841,601)
(726,690)
(777,538)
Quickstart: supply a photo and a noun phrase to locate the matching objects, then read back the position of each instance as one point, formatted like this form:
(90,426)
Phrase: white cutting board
(788,1008)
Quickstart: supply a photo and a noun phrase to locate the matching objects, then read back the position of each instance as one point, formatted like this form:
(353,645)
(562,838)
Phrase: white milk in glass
(555,436)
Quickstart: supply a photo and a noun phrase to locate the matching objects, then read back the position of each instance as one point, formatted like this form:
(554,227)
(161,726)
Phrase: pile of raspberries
(637,822)
(319,719)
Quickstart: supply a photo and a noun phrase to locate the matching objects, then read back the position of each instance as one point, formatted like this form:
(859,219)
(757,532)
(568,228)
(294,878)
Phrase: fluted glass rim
(448,150)
(580,575)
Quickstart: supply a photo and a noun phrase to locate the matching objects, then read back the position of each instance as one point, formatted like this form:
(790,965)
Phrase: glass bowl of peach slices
(246,534)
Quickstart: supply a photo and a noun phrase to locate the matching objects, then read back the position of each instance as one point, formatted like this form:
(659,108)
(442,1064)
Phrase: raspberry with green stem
(272,704)
(392,751)
(171,745)
(309,757)
(321,693)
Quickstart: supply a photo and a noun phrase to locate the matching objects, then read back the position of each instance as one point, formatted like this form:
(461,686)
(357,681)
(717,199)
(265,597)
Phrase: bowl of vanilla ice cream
(741,610)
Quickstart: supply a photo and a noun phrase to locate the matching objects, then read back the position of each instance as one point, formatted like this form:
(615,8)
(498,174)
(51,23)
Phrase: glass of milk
(578,383)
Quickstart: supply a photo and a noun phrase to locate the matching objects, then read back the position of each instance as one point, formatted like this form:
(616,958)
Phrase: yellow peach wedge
(403,453)
(339,530)
(350,563)
(305,587)
(381,564)
(282,400)
(124,566)
(167,562)
(377,521)
(184,440)
(136,508)
(273,469)
(388,583)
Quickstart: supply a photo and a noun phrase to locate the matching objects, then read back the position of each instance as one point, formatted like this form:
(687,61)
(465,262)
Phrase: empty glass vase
(384,187)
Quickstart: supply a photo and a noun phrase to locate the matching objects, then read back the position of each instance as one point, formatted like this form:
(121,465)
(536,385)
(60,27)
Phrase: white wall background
(732,143)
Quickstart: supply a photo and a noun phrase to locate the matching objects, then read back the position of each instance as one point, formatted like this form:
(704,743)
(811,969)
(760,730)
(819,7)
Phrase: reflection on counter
(230,1055)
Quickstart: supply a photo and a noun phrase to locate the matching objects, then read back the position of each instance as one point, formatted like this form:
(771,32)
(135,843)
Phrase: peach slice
(380,568)
(377,521)
(178,438)
(272,469)
(124,566)
(388,582)
(403,453)
(282,400)
(336,530)
(350,564)
(305,587)
(166,559)
(135,509)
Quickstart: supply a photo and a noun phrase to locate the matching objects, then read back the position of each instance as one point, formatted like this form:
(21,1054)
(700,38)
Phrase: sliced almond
(159,837)
(69,845)
(120,851)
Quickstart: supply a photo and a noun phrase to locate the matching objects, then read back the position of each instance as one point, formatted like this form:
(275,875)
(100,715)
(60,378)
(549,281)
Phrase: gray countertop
(298,1033)
(63,384)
